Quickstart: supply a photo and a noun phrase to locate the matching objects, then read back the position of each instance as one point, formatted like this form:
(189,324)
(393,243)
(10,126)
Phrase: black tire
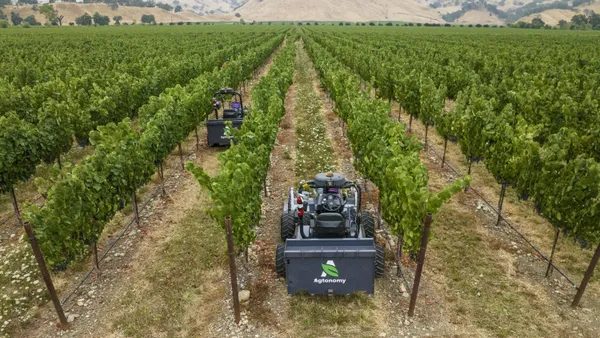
(306,219)
(288,226)
(280,260)
(367,223)
(379,261)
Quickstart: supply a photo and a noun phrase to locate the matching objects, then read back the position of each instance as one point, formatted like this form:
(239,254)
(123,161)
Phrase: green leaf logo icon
(330,270)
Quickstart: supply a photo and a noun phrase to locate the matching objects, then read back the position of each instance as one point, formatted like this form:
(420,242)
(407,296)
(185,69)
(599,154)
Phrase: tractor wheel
(288,226)
(306,219)
(280,260)
(367,223)
(379,261)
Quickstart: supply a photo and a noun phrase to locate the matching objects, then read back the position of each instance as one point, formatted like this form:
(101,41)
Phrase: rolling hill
(207,7)
(493,12)
(341,10)
(129,14)
(479,17)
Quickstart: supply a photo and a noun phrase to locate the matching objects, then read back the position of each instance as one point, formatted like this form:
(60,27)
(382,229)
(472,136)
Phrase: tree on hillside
(178,9)
(117,19)
(3,16)
(34,8)
(562,24)
(148,19)
(15,18)
(537,23)
(579,20)
(31,20)
(84,20)
(594,20)
(114,5)
(48,11)
(101,20)
(164,6)
(5,3)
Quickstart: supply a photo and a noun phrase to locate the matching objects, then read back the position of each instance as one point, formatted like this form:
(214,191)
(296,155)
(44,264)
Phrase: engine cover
(334,180)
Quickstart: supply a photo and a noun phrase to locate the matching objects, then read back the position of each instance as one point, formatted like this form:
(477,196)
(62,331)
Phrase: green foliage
(4,23)
(31,20)
(48,11)
(148,19)
(534,123)
(51,112)
(164,6)
(15,18)
(84,20)
(101,20)
(247,161)
(18,156)
(384,153)
(81,202)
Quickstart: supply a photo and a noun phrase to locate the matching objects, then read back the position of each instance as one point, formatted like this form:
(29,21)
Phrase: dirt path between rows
(270,312)
(112,305)
(261,315)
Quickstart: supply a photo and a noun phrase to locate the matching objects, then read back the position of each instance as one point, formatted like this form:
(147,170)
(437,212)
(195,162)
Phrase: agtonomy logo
(329,270)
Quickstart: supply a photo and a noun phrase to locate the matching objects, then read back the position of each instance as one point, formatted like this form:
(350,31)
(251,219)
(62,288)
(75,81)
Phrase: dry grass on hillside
(480,17)
(129,14)
(341,10)
(551,17)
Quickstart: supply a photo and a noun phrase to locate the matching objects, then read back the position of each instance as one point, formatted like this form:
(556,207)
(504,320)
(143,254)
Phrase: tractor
(216,134)
(328,242)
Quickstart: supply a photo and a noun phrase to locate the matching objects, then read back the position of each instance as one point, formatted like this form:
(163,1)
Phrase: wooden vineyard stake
(181,156)
(549,269)
(420,263)
(399,245)
(445,147)
(501,202)
(135,208)
(469,172)
(64,325)
(96,260)
(586,278)
(232,270)
(16,206)
(161,175)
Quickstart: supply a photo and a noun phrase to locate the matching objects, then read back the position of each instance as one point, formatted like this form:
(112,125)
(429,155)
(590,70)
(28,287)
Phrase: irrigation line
(432,149)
